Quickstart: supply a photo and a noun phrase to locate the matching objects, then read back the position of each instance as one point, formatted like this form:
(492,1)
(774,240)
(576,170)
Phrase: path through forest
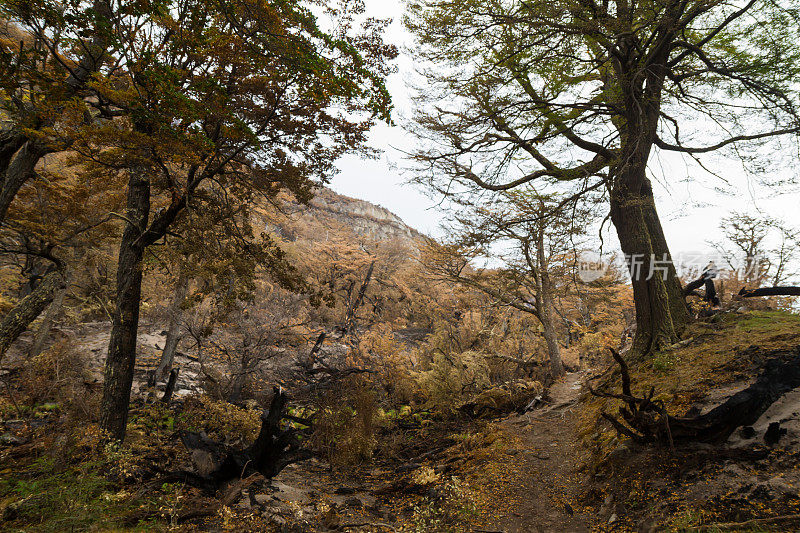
(544,484)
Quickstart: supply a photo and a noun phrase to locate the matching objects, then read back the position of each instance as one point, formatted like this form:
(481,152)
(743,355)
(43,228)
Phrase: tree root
(647,422)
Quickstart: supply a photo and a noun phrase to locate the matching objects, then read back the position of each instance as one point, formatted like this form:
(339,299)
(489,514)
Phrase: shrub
(221,420)
(450,378)
(344,429)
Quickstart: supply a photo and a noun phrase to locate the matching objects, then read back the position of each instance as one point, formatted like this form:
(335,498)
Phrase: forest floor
(541,488)
(556,468)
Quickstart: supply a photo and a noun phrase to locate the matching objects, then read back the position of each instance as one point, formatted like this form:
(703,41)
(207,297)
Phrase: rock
(244,504)
(774,433)
(263,499)
(606,507)
(9,439)
(747,432)
(780,485)
(331,519)
(354,503)
(612,518)
(618,453)
(733,470)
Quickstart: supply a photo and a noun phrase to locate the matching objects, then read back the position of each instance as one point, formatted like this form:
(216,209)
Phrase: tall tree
(246,98)
(579,94)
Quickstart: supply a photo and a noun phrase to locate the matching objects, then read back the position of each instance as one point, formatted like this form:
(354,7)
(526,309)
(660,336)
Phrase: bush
(344,429)
(451,378)
(220,420)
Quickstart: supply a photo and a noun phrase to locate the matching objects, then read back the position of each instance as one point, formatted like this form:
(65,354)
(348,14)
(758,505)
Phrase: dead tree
(29,308)
(706,280)
(648,421)
(173,380)
(349,325)
(770,291)
(273,450)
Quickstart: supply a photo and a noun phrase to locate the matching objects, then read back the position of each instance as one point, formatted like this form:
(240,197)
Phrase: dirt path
(544,483)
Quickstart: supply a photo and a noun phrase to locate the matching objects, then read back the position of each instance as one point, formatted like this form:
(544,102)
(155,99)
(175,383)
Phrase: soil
(544,481)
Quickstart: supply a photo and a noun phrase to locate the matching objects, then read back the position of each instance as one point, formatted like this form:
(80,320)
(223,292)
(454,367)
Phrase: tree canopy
(578,94)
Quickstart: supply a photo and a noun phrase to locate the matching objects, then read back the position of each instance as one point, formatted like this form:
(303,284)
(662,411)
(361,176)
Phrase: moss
(44,499)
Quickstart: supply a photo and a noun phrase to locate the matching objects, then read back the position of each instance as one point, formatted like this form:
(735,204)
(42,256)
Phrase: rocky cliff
(332,211)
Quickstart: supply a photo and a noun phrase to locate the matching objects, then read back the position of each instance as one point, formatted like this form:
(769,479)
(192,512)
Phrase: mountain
(331,211)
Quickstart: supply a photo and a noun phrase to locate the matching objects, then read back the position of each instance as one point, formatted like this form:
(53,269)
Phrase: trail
(543,486)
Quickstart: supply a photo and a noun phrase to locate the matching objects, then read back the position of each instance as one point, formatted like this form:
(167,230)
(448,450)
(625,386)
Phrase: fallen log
(273,450)
(770,291)
(647,421)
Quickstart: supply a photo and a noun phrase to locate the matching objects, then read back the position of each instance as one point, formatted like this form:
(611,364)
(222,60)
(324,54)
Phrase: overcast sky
(690,209)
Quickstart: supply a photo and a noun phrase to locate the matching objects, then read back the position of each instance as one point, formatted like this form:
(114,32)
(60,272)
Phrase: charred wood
(646,420)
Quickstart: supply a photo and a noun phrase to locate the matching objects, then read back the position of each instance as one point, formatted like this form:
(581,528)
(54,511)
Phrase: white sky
(690,210)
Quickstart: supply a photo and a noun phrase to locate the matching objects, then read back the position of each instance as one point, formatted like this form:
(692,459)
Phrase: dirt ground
(541,486)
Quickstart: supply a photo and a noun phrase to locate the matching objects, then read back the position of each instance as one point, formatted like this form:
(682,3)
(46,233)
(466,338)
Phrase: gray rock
(354,503)
(9,439)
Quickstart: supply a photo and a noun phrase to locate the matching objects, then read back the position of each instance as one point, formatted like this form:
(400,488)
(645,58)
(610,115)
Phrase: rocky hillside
(332,211)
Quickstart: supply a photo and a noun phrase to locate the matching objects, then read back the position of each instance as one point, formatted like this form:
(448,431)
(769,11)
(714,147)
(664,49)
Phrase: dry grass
(714,353)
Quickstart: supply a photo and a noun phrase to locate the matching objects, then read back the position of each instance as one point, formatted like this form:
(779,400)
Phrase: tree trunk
(677,303)
(545,309)
(173,380)
(28,309)
(661,312)
(274,449)
(43,332)
(240,379)
(122,345)
(174,329)
(20,169)
(553,349)
(649,422)
(350,317)
(770,291)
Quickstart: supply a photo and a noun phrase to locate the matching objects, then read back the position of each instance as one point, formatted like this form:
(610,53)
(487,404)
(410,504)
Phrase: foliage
(58,376)
(577,96)
(345,423)
(220,420)
(450,511)
(448,378)
(76,499)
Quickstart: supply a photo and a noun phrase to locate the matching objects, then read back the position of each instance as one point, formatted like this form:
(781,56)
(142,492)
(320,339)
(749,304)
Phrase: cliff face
(363,217)
(331,211)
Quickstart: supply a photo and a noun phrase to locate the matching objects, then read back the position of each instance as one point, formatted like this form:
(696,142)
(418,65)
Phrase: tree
(747,248)
(578,94)
(540,242)
(46,233)
(50,53)
(244,97)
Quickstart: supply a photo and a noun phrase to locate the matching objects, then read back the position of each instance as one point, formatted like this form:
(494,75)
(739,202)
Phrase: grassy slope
(683,489)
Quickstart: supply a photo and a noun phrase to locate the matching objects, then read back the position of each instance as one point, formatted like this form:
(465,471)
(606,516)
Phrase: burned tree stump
(647,421)
(273,450)
(705,280)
